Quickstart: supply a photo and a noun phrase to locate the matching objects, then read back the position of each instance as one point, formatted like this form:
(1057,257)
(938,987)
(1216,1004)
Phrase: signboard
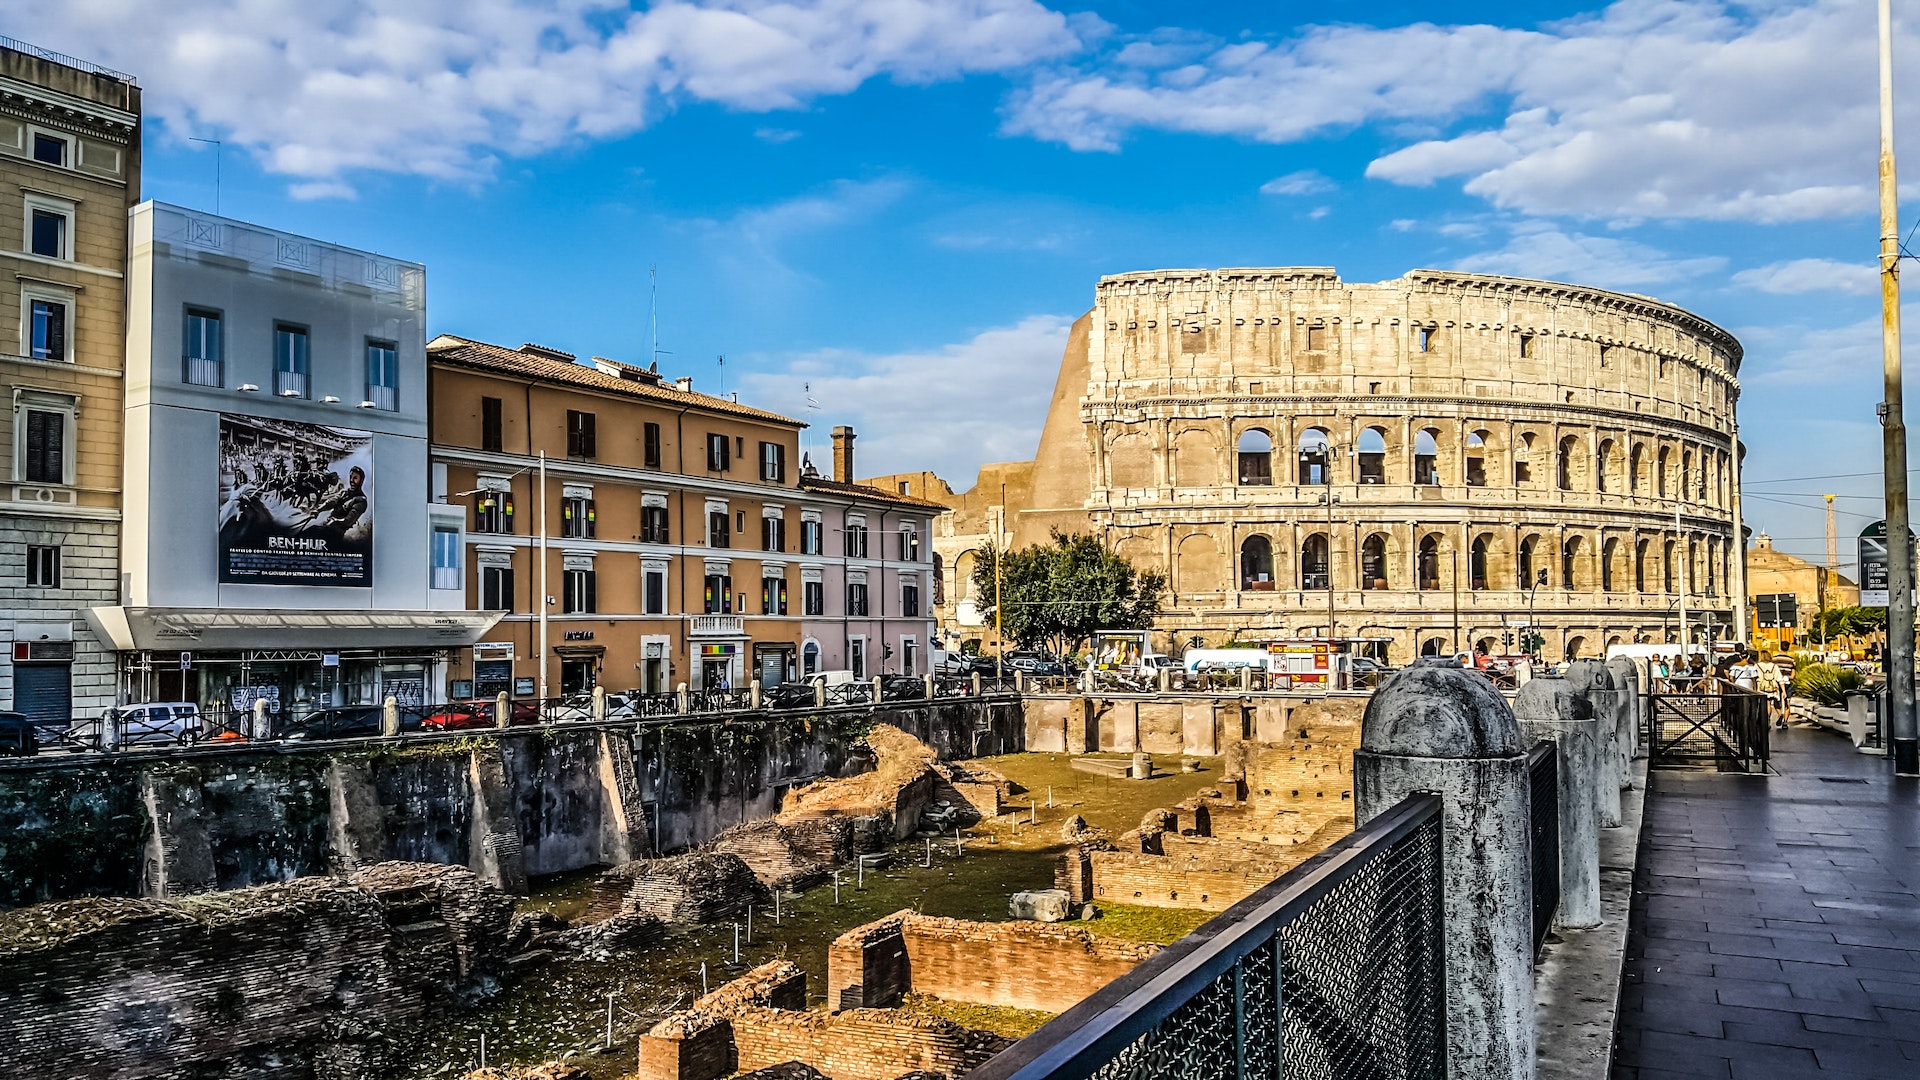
(523,686)
(186,661)
(296,503)
(1875,565)
(493,650)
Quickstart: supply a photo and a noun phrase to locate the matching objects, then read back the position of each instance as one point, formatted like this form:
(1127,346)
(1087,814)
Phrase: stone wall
(859,1044)
(294,979)
(698,887)
(504,804)
(1182,881)
(1021,965)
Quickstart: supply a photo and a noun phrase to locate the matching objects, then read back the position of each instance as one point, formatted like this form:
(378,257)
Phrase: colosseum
(1431,464)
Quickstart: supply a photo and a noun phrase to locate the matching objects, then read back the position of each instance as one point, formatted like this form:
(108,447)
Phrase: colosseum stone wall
(1523,452)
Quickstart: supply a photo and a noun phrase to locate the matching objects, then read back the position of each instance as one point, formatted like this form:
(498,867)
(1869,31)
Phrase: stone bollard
(686,699)
(1142,767)
(390,717)
(976,684)
(1019,680)
(501,710)
(1246,679)
(820,693)
(110,731)
(1626,683)
(1592,680)
(931,688)
(261,728)
(599,712)
(1165,679)
(879,690)
(1522,671)
(1552,709)
(753,694)
(1435,727)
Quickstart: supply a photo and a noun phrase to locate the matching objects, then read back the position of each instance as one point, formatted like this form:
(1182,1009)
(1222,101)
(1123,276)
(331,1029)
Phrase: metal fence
(1543,772)
(1334,971)
(1729,731)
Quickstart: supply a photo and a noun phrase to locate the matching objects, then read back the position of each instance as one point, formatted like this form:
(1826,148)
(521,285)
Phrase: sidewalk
(1776,922)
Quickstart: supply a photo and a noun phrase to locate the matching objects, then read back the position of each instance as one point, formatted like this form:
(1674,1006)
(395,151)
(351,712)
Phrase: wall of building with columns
(1472,431)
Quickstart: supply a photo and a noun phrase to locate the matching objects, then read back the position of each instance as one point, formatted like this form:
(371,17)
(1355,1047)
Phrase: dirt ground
(562,1009)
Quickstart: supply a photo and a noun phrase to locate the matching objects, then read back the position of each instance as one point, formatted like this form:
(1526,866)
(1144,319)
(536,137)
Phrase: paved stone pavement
(1776,922)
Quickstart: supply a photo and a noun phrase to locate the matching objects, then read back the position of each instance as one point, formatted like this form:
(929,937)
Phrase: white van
(1226,659)
(150,723)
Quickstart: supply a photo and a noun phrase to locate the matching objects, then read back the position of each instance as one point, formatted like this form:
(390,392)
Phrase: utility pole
(1898,655)
(1681,578)
(999,557)
(542,518)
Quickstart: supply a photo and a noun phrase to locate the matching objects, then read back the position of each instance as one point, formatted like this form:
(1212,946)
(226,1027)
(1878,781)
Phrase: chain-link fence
(1333,972)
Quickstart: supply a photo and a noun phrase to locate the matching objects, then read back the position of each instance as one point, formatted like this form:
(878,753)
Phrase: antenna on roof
(720,362)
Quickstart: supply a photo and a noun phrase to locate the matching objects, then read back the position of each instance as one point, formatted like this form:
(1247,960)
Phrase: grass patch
(1156,925)
(1011,1023)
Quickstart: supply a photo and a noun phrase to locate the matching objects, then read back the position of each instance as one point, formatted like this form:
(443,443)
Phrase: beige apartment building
(687,541)
(69,173)
(1772,572)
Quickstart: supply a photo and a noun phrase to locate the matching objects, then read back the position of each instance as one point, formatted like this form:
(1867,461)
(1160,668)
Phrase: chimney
(684,384)
(843,454)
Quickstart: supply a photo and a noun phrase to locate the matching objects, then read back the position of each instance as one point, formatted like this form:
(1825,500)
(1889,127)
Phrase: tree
(1849,622)
(1060,593)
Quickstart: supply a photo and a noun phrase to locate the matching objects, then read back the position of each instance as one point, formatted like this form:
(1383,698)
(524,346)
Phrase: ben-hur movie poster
(296,503)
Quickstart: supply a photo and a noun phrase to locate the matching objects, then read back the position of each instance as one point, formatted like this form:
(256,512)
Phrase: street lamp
(1533,632)
(1326,478)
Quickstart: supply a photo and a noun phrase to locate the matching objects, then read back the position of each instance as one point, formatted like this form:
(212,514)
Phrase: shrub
(1824,683)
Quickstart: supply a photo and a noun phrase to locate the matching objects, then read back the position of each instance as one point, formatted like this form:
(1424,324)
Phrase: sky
(888,212)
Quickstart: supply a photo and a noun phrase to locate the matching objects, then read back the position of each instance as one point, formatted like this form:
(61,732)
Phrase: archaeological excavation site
(864,894)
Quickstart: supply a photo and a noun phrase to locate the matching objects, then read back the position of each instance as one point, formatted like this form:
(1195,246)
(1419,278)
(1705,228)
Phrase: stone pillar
(494,849)
(820,693)
(390,717)
(976,684)
(501,710)
(623,819)
(1592,680)
(686,700)
(179,855)
(753,694)
(261,727)
(356,822)
(879,690)
(1626,682)
(931,688)
(1435,727)
(599,707)
(1552,710)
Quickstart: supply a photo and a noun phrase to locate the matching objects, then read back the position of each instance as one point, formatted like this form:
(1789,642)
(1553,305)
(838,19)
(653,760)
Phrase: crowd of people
(1750,670)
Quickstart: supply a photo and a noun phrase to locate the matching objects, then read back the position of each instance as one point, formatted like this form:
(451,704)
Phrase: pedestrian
(1745,673)
(1768,683)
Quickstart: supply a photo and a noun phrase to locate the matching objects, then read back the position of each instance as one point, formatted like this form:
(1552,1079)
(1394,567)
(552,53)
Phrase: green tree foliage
(1850,621)
(1059,593)
(1824,683)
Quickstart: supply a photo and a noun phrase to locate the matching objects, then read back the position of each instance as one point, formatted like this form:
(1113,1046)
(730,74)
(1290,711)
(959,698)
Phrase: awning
(186,629)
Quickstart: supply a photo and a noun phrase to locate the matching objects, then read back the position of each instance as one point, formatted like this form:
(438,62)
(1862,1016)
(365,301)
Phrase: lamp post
(1326,479)
(1533,632)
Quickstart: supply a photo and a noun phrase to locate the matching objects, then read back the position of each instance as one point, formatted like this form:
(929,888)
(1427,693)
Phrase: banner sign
(296,503)
(1875,564)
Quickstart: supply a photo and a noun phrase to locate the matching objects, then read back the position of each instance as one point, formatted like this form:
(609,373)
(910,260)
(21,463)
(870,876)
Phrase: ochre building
(1439,461)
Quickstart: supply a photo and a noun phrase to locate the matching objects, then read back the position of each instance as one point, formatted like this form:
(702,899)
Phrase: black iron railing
(1729,730)
(1333,972)
(1543,772)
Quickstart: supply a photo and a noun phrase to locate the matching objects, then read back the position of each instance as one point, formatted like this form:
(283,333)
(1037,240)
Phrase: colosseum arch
(1574,574)
(1374,572)
(1668,568)
(1527,563)
(1523,460)
(1640,547)
(1315,452)
(963,567)
(1603,468)
(1198,567)
(1686,474)
(1256,564)
(1130,461)
(1480,562)
(1255,456)
(1196,458)
(1477,458)
(1610,564)
(1576,647)
(1427,560)
(1426,457)
(1636,469)
(1661,464)
(1371,455)
(1139,550)
(1316,562)
(1569,465)
(939,579)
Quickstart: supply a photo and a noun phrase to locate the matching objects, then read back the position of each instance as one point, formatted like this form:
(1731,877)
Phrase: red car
(467,715)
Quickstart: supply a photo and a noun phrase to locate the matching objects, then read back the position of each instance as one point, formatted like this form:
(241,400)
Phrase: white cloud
(440,88)
(1536,249)
(1811,275)
(990,394)
(1650,109)
(1304,182)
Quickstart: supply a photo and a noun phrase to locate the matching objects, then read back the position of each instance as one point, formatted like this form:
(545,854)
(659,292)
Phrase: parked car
(579,707)
(466,715)
(149,723)
(902,687)
(1037,667)
(17,736)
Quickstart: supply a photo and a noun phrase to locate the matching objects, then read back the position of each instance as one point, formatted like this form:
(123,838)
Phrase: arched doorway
(1256,458)
(1256,564)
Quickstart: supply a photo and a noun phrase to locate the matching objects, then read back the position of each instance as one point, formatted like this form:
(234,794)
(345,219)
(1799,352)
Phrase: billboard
(1875,564)
(296,503)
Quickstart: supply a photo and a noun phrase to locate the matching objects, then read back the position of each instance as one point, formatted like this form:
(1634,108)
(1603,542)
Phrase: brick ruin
(297,978)
(1280,802)
(759,1026)
(907,781)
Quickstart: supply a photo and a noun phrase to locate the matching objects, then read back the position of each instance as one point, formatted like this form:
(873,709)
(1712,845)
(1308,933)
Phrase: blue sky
(903,203)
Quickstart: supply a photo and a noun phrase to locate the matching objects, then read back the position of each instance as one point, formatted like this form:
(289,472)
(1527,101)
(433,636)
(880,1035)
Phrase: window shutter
(46,447)
(593,591)
(586,436)
(592,518)
(506,588)
(57,331)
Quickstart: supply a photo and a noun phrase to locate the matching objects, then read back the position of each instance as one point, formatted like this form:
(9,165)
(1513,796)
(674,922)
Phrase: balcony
(718,626)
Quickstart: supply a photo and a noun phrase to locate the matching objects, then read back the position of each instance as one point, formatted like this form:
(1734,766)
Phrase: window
(1316,457)
(493,512)
(446,557)
(857,657)
(719,594)
(577,517)
(1426,340)
(813,598)
(909,544)
(810,659)
(1526,346)
(1316,338)
(1522,471)
(50,149)
(910,599)
(719,454)
(1426,457)
(1256,564)
(654,600)
(718,529)
(856,598)
(580,442)
(773,534)
(1476,459)
(202,355)
(909,656)
(47,330)
(496,588)
(1606,356)
(46,447)
(492,437)
(43,566)
(773,595)
(653,525)
(857,540)
(1256,458)
(290,360)
(49,233)
(773,462)
(651,442)
(383,375)
(812,536)
(578,590)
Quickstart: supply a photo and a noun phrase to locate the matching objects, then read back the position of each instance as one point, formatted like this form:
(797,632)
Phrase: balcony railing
(718,626)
